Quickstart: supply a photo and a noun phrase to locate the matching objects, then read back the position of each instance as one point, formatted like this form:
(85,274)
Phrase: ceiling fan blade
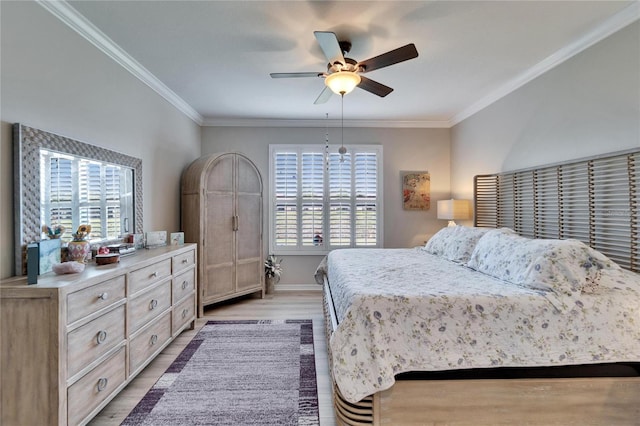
(324,96)
(330,47)
(374,87)
(295,74)
(395,56)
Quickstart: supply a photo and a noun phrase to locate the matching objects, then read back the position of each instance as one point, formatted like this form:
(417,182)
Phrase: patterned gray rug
(237,373)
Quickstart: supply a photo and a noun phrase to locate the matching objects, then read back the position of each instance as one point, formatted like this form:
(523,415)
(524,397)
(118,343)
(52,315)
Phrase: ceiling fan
(344,74)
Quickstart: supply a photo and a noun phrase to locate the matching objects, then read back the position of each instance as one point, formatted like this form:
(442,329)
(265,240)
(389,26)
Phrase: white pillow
(503,255)
(564,267)
(455,243)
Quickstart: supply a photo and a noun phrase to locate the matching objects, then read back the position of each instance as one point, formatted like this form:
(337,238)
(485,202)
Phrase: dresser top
(94,273)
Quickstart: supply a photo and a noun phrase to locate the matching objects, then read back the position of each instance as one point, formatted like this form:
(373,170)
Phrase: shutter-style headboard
(594,200)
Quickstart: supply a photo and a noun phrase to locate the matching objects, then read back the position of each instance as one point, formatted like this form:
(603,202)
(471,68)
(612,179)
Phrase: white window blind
(320,201)
(78,191)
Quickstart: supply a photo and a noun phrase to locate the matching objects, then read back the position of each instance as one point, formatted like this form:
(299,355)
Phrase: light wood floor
(280,305)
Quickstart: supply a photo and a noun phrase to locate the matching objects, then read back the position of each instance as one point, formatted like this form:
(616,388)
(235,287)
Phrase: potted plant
(53,232)
(272,271)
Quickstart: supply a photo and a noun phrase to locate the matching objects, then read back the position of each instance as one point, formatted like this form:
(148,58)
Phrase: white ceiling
(212,59)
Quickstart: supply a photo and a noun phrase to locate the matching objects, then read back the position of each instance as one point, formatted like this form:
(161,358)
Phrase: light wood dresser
(70,343)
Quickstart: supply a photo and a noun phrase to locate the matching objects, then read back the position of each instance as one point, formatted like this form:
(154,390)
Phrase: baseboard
(298,287)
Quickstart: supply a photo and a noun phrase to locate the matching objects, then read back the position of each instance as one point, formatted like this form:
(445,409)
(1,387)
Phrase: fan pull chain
(342,151)
(326,139)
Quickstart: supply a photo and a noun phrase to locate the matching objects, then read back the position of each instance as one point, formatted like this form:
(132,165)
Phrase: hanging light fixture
(342,82)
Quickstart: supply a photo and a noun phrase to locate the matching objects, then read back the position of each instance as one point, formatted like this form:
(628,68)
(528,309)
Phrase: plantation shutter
(59,201)
(112,199)
(312,198)
(366,187)
(89,197)
(286,191)
(323,200)
(340,200)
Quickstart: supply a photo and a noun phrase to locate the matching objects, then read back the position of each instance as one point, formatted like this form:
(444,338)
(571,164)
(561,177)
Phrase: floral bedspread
(405,310)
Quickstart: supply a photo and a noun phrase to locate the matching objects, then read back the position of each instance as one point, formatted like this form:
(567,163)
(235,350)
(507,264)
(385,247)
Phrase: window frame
(324,249)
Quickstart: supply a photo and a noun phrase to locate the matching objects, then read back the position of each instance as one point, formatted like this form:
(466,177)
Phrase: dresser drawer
(148,342)
(183,313)
(87,393)
(148,305)
(144,277)
(89,342)
(92,299)
(183,261)
(183,285)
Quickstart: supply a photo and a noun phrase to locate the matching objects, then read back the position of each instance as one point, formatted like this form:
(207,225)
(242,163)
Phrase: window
(320,201)
(79,191)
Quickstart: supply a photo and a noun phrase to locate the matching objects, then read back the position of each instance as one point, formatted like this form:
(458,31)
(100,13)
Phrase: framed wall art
(416,190)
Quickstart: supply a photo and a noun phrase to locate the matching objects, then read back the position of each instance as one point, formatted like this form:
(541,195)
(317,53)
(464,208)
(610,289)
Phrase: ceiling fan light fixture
(342,82)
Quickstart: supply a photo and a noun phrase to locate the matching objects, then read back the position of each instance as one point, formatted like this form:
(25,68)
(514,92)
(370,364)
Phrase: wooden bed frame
(594,200)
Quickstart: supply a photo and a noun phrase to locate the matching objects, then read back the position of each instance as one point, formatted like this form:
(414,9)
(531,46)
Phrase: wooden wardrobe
(222,212)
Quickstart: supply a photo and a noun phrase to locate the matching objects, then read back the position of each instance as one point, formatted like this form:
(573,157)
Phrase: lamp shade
(342,82)
(454,209)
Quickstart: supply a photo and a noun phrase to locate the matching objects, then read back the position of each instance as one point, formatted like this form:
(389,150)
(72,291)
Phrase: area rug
(237,373)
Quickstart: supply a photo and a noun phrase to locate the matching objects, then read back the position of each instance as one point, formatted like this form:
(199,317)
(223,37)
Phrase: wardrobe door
(250,267)
(219,241)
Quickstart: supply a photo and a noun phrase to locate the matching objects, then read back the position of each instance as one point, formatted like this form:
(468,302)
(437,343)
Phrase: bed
(485,326)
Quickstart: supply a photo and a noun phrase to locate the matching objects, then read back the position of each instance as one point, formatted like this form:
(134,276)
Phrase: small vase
(271,284)
(78,251)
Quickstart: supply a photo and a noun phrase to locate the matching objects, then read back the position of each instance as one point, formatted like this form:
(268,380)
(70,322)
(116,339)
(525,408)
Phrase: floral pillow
(564,267)
(455,243)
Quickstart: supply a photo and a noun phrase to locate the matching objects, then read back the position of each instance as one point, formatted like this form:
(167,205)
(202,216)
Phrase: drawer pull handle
(101,336)
(185,260)
(154,339)
(153,275)
(184,313)
(103,296)
(153,304)
(102,384)
(184,284)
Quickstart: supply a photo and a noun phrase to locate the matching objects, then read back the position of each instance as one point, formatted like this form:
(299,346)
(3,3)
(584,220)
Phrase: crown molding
(231,122)
(617,22)
(77,22)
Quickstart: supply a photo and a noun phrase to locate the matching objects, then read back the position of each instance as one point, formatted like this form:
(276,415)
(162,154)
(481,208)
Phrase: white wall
(587,106)
(403,149)
(54,80)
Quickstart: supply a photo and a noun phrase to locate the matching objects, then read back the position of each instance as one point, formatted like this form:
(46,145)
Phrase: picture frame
(177,238)
(416,190)
(156,239)
(138,241)
(49,255)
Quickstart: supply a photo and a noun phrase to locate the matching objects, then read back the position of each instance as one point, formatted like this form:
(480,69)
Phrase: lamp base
(452,223)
